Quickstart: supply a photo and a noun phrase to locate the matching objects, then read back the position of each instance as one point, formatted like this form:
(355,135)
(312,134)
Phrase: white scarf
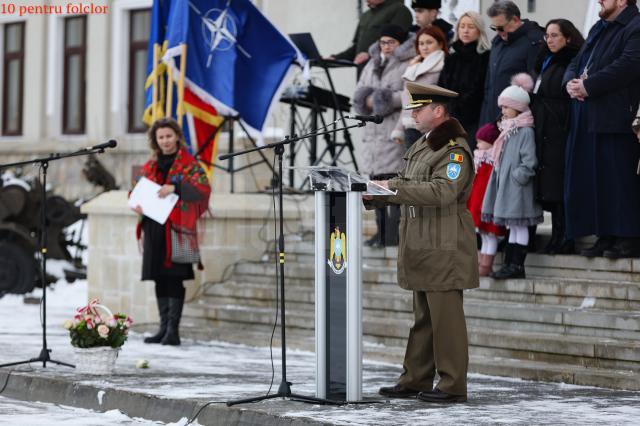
(432,63)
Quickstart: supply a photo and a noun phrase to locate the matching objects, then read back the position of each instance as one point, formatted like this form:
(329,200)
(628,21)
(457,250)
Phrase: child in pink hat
(509,200)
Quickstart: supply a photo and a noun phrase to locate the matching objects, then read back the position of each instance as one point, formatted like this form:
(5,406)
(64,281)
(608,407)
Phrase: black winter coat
(508,58)
(612,84)
(550,107)
(464,72)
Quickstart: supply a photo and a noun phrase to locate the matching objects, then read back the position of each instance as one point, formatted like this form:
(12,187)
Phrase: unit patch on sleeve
(453,171)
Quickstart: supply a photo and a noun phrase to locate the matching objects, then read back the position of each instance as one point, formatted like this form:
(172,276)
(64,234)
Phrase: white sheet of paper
(145,195)
(375,189)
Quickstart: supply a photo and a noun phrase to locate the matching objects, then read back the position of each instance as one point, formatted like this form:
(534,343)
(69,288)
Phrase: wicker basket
(99,360)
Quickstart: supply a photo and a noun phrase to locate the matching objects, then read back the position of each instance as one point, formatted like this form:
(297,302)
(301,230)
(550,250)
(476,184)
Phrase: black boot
(163,310)
(604,243)
(172,337)
(507,258)
(516,268)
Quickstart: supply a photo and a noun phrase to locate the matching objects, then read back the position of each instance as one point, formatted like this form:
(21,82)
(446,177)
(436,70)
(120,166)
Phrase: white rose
(103,331)
(68,324)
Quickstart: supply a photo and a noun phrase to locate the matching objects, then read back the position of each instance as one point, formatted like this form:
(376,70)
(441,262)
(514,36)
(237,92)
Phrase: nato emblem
(453,171)
(338,252)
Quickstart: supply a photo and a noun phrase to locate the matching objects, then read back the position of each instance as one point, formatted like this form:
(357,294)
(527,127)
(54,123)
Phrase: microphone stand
(44,165)
(284,390)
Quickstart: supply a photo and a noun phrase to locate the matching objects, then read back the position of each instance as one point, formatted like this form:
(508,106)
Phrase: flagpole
(154,105)
(183,66)
(169,108)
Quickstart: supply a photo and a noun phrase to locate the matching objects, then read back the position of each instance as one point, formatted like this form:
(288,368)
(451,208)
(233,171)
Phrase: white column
(321,294)
(354,296)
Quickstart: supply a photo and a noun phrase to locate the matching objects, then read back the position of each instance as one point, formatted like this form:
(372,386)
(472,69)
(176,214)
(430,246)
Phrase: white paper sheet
(145,195)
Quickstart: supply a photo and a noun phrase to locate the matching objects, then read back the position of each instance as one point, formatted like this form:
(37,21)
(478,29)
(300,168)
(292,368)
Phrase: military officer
(437,252)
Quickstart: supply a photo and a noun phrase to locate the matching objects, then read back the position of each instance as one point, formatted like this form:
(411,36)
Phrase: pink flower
(103,331)
(112,323)
(97,319)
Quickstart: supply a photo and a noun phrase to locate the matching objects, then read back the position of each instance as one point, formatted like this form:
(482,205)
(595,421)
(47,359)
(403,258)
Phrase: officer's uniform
(437,256)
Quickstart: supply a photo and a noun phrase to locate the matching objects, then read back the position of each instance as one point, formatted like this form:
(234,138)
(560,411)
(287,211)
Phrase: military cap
(426,4)
(425,94)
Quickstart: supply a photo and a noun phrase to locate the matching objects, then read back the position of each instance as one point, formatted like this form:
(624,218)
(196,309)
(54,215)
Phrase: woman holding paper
(170,249)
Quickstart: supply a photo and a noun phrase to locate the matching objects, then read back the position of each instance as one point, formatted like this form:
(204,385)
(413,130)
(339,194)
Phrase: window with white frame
(74,72)
(139,29)
(13,80)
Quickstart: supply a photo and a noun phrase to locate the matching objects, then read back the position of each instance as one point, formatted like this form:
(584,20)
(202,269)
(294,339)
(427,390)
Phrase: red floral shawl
(184,216)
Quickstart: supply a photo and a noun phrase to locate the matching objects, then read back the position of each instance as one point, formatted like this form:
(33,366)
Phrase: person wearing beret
(437,256)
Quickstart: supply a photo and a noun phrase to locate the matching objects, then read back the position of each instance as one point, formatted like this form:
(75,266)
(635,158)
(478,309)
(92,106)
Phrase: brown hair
(437,34)
(166,122)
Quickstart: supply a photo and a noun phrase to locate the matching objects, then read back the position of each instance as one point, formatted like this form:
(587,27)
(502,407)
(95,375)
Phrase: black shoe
(398,391)
(566,247)
(596,250)
(377,245)
(163,310)
(438,396)
(623,248)
(373,240)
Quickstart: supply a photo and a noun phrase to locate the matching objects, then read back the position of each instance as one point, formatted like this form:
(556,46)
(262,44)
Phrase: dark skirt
(154,254)
(602,189)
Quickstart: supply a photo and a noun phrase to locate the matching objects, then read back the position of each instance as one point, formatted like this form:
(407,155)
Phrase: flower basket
(97,335)
(100,360)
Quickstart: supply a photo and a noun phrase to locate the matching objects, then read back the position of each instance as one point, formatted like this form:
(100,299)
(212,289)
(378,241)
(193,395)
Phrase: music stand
(306,44)
(44,165)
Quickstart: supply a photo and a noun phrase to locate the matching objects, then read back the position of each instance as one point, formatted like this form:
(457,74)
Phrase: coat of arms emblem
(338,254)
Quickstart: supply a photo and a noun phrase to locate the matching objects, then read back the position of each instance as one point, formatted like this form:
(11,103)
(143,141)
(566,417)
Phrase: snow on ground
(37,413)
(222,371)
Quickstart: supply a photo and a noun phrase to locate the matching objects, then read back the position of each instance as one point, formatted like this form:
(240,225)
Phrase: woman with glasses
(424,68)
(379,92)
(550,107)
(465,70)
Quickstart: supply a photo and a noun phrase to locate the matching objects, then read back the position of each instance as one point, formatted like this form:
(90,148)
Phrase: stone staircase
(573,320)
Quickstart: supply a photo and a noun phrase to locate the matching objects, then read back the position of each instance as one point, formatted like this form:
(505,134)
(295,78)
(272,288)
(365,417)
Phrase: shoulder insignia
(452,142)
(458,158)
(453,171)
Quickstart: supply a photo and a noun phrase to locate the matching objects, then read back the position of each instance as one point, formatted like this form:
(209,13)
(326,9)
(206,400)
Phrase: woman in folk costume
(431,49)
(379,92)
(170,249)
(483,164)
(510,199)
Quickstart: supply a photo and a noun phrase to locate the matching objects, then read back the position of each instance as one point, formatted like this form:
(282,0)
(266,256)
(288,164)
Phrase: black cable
(6,382)
(193,418)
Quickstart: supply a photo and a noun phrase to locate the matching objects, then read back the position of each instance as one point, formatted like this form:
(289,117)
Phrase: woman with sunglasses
(550,107)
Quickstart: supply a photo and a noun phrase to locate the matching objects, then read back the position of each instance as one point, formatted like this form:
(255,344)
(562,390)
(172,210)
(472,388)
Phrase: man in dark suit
(601,183)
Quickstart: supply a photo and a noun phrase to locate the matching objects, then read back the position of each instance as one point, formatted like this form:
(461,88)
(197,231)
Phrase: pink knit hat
(516,96)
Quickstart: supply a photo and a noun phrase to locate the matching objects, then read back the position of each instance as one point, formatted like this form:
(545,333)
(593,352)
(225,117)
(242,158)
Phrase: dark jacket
(612,84)
(464,72)
(550,107)
(517,54)
(372,21)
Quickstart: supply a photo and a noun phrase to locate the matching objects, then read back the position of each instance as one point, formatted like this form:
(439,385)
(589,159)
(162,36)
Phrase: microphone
(370,118)
(111,144)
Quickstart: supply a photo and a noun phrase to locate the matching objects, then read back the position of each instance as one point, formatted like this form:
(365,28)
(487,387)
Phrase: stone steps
(505,362)
(573,319)
(393,331)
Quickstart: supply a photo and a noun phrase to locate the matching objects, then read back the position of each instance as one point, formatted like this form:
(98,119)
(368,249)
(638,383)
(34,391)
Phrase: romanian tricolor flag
(456,157)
